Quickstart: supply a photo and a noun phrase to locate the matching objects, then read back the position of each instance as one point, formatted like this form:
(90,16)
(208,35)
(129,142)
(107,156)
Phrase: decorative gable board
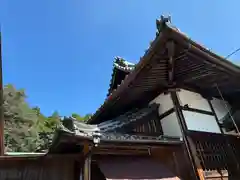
(129,119)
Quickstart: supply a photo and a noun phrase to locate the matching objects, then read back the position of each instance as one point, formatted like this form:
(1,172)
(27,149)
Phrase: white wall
(196,121)
(169,124)
(165,102)
(201,122)
(194,100)
(220,108)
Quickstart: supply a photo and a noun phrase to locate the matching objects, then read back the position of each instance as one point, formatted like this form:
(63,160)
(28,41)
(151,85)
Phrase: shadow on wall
(130,168)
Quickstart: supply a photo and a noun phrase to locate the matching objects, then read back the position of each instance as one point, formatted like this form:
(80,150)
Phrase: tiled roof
(121,68)
(74,132)
(194,67)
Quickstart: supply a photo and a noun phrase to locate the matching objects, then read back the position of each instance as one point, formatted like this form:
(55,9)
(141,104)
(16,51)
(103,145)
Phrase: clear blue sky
(61,51)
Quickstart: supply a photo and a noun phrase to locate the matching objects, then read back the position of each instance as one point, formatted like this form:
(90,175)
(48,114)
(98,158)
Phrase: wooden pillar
(229,148)
(87,163)
(197,171)
(1,104)
(196,160)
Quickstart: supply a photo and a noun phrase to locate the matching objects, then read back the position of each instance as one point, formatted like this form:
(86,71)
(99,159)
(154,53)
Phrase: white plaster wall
(170,126)
(197,121)
(220,108)
(201,122)
(194,100)
(165,102)
(194,121)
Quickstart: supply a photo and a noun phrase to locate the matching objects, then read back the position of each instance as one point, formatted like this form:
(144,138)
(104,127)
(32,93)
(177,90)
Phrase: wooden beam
(183,127)
(229,147)
(196,160)
(87,163)
(158,43)
(38,157)
(1,104)
(171,50)
(202,52)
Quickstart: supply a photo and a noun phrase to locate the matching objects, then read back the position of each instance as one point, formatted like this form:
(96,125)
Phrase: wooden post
(87,163)
(183,127)
(228,147)
(196,160)
(1,104)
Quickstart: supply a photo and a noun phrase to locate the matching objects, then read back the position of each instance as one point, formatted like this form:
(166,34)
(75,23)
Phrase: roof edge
(143,60)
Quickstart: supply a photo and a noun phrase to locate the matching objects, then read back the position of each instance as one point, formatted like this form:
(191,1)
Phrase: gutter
(25,154)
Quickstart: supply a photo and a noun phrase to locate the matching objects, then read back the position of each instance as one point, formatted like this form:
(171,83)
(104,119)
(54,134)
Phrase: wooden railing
(217,154)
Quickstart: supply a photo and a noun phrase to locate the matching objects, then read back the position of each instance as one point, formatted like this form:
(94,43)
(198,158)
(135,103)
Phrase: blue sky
(61,51)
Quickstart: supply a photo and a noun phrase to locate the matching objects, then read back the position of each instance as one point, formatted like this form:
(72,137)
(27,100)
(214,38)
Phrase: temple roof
(72,134)
(123,65)
(173,60)
(121,68)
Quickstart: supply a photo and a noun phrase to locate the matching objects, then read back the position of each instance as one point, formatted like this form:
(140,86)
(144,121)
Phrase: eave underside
(195,68)
(117,77)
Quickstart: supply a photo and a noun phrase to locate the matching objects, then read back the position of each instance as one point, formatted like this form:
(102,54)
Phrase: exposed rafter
(171,48)
(186,65)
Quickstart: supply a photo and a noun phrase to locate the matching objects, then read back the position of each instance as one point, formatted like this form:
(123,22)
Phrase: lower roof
(71,139)
(193,67)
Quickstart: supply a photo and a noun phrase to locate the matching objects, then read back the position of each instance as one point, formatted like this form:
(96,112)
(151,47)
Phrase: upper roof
(121,68)
(192,67)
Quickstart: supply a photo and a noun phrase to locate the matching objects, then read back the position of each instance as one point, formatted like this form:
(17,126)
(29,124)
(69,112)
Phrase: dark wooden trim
(170,45)
(183,127)
(226,139)
(186,108)
(148,121)
(177,108)
(41,157)
(215,115)
(202,52)
(77,170)
(158,43)
(166,113)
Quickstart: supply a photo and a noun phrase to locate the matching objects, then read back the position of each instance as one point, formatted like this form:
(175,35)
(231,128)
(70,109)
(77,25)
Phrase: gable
(173,60)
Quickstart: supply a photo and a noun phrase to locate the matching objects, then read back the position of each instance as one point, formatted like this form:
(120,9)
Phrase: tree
(27,129)
(81,118)
(20,121)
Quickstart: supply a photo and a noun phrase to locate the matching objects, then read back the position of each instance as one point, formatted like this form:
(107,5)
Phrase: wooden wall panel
(218,154)
(37,169)
(152,126)
(175,160)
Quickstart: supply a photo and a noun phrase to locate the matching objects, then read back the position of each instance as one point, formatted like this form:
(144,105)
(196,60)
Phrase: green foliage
(27,129)
(81,118)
